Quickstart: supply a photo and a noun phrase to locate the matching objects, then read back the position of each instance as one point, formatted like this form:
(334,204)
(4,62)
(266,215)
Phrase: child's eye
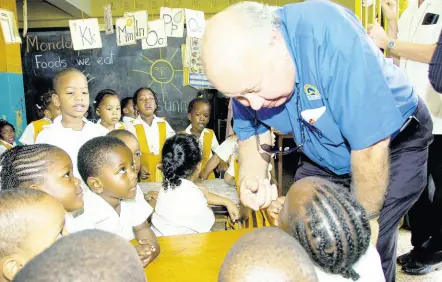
(70,92)
(122,170)
(85,93)
(67,175)
(138,154)
(118,108)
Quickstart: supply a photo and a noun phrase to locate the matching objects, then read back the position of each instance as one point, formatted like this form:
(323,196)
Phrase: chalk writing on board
(33,43)
(176,106)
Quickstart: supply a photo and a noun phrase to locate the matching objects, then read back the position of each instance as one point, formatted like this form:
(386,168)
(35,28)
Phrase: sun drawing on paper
(161,71)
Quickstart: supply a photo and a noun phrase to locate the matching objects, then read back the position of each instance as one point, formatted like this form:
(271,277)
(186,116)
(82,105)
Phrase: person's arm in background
(435,72)
(389,11)
(210,166)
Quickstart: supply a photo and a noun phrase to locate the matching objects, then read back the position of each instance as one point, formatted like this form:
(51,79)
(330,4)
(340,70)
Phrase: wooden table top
(196,257)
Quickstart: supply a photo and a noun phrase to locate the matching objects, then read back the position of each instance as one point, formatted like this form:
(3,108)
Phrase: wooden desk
(280,142)
(190,258)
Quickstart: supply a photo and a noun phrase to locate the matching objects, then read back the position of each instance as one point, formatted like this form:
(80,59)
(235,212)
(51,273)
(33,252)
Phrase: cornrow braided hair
(334,231)
(196,101)
(24,164)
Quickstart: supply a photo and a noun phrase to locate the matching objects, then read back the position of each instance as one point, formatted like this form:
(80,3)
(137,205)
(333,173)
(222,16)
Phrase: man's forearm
(251,161)
(370,172)
(392,29)
(413,51)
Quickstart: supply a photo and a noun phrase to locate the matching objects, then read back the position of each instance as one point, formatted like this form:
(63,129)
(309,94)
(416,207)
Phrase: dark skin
(146,106)
(199,117)
(117,181)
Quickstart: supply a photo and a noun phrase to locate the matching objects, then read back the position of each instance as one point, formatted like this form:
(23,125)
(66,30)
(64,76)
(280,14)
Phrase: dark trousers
(408,178)
(426,214)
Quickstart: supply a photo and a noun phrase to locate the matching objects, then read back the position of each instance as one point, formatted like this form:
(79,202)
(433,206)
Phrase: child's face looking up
(72,95)
(7,134)
(133,145)
(199,116)
(146,103)
(110,110)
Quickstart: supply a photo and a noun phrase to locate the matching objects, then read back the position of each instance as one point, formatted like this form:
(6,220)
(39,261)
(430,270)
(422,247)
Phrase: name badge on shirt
(311,92)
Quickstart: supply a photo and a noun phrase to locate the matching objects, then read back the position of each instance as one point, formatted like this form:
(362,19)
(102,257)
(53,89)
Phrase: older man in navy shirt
(311,70)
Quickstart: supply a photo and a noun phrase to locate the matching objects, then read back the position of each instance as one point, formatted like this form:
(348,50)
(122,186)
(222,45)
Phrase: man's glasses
(280,150)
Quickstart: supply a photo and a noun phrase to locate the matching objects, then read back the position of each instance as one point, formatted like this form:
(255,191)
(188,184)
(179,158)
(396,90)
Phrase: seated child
(128,111)
(114,202)
(267,254)
(151,131)
(7,136)
(332,227)
(182,207)
(108,108)
(90,255)
(50,112)
(71,129)
(198,113)
(30,221)
(43,167)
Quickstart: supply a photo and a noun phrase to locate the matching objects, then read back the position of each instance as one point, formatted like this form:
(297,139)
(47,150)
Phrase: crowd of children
(73,175)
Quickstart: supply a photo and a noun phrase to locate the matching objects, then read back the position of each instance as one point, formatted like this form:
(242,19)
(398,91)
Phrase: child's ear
(125,111)
(36,187)
(47,114)
(11,266)
(56,101)
(97,112)
(95,184)
(189,116)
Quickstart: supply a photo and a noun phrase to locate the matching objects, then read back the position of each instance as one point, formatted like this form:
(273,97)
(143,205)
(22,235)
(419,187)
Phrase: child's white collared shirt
(98,214)
(152,133)
(214,144)
(3,147)
(182,210)
(228,149)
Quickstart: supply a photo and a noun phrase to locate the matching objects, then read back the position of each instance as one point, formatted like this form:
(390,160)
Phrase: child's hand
(151,195)
(144,172)
(274,209)
(146,252)
(233,212)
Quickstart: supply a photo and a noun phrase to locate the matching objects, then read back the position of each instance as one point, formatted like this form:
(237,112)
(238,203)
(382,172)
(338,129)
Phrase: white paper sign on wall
(108,23)
(173,21)
(156,37)
(125,30)
(141,27)
(195,23)
(85,34)
(9,26)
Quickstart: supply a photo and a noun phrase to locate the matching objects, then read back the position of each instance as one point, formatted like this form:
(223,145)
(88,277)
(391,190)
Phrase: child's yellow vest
(207,149)
(38,126)
(255,219)
(6,145)
(148,159)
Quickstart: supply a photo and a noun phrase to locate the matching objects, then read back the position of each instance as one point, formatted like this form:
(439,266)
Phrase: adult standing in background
(420,23)
(311,70)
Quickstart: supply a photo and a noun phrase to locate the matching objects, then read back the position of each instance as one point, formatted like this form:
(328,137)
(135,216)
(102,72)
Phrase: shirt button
(321,159)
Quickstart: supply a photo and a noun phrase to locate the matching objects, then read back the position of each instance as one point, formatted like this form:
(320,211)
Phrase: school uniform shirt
(346,96)
(368,267)
(98,214)
(227,152)
(32,130)
(152,133)
(70,140)
(214,144)
(182,210)
(4,146)
(118,125)
(415,26)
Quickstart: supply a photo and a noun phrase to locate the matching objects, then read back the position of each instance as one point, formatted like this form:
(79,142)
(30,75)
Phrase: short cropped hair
(56,78)
(86,256)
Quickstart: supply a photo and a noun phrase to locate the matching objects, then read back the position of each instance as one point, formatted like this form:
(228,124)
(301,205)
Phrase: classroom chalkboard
(121,68)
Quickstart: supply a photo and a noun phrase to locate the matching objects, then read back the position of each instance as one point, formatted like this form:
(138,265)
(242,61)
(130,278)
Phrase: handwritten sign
(125,29)
(85,34)
(156,37)
(108,25)
(195,23)
(140,23)
(173,21)
(9,27)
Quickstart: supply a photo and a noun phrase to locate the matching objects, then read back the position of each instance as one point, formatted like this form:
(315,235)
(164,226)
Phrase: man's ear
(95,184)
(11,266)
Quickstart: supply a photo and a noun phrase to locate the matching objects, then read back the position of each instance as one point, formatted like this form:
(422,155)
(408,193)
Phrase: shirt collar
(155,120)
(205,130)
(57,123)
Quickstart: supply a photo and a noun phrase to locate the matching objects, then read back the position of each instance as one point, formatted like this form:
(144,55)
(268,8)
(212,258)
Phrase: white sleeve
(44,137)
(27,138)
(2,149)
(200,217)
(169,130)
(227,148)
(215,143)
(141,210)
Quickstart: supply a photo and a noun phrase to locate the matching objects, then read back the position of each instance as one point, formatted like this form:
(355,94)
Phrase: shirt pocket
(428,34)
(321,126)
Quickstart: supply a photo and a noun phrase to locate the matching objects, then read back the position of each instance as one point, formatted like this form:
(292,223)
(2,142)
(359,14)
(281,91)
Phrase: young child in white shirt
(50,112)
(332,227)
(71,129)
(182,207)
(198,113)
(43,167)
(151,132)
(115,204)
(7,136)
(108,108)
(128,111)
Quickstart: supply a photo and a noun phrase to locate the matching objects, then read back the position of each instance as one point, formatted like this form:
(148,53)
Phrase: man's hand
(146,251)
(378,34)
(257,194)
(389,8)
(275,208)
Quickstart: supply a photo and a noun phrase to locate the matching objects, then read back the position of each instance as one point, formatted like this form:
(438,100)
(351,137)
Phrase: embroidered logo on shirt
(312,92)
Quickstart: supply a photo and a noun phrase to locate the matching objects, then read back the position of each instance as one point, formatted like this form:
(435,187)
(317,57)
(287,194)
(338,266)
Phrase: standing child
(7,136)
(151,131)
(70,130)
(182,207)
(50,112)
(115,204)
(108,108)
(198,114)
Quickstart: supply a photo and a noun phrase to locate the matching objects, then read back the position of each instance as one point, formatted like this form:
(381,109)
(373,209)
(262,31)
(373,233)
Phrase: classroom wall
(12,105)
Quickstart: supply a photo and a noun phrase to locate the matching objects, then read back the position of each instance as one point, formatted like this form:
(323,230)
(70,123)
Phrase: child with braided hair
(182,207)
(332,227)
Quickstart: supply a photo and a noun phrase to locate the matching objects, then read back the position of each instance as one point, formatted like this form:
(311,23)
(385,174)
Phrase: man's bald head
(267,254)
